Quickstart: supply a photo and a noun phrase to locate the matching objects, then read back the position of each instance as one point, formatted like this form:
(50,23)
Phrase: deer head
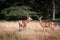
(40,18)
(27,15)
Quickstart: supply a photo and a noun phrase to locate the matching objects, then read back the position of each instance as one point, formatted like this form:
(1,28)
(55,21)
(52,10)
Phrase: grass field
(33,31)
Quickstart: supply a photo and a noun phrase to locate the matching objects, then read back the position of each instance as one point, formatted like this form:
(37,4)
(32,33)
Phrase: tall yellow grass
(9,31)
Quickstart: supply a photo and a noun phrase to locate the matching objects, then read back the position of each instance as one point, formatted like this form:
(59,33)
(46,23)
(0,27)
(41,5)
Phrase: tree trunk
(53,15)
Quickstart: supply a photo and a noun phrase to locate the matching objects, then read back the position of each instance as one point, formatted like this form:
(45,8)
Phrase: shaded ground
(33,31)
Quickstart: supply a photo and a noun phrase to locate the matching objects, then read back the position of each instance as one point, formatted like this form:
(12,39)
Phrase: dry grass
(33,31)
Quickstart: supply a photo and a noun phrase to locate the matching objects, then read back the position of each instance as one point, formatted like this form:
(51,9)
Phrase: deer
(46,24)
(23,23)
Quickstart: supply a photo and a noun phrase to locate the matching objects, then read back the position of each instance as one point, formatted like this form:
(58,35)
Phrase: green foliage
(2,0)
(34,7)
(16,12)
(13,11)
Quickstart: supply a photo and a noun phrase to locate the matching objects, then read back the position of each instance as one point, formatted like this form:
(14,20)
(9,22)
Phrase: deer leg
(24,27)
(52,28)
(20,27)
(43,29)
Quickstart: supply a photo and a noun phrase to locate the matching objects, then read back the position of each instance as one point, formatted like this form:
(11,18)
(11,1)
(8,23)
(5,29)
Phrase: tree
(38,7)
(53,3)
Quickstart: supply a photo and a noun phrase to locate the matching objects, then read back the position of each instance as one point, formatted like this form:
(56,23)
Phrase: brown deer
(23,23)
(46,24)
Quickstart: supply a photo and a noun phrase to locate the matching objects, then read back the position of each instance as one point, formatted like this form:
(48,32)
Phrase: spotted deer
(46,24)
(23,23)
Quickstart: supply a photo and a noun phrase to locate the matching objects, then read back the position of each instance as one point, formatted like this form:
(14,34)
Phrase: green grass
(57,20)
(9,20)
(34,20)
(44,20)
